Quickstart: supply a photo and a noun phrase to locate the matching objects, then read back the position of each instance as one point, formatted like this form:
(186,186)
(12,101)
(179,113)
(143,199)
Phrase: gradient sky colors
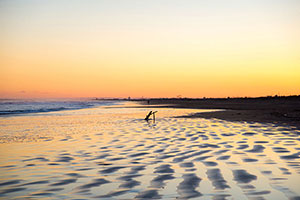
(156,48)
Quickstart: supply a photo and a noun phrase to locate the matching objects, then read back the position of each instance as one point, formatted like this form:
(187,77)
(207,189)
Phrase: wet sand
(281,110)
(114,154)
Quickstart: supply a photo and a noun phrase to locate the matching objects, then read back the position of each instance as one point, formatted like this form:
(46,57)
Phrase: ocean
(31,106)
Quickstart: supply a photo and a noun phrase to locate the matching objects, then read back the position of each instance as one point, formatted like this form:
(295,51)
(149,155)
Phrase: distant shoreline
(277,110)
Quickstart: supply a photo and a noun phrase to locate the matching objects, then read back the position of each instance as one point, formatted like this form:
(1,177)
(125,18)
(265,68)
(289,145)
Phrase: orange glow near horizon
(149,49)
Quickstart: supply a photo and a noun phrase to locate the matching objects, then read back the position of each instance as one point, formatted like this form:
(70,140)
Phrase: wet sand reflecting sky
(114,154)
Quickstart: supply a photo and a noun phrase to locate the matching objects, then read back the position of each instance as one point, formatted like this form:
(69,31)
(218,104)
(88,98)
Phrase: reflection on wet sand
(115,154)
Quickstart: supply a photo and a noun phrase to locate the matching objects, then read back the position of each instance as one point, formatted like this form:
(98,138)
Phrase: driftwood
(153,113)
(149,115)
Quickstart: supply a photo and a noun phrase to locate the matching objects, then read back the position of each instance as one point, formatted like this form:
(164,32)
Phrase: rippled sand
(114,154)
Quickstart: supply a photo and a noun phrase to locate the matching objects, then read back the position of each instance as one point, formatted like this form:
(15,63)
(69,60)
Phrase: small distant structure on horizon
(129,98)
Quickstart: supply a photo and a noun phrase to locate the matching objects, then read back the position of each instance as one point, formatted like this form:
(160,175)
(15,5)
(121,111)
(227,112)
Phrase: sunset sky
(154,48)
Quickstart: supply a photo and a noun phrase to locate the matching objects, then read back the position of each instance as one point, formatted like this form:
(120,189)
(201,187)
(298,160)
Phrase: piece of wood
(153,113)
(148,116)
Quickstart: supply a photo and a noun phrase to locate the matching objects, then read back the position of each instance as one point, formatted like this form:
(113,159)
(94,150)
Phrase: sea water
(29,106)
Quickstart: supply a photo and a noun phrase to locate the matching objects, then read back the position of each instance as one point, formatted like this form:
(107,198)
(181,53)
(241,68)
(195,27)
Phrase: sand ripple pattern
(174,158)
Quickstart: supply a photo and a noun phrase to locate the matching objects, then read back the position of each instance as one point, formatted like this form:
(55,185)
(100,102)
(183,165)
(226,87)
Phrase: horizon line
(144,98)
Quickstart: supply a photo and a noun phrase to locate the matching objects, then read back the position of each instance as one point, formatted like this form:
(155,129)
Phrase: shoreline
(277,110)
(116,154)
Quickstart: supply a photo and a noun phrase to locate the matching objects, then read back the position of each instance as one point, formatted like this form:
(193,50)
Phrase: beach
(111,152)
(283,111)
(171,100)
